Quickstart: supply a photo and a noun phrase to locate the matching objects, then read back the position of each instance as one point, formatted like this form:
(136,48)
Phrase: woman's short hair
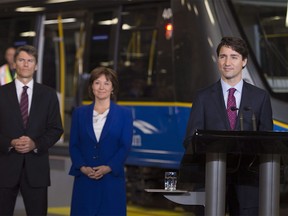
(110,75)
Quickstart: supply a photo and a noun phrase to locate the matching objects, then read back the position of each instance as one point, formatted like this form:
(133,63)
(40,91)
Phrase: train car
(163,51)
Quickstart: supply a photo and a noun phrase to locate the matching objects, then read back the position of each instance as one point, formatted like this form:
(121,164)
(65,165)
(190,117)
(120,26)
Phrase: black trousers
(242,200)
(35,199)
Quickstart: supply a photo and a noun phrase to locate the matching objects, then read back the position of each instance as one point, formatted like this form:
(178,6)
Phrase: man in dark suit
(211,110)
(26,138)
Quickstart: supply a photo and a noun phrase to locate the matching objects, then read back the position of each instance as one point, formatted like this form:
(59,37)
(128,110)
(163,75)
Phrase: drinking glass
(170,181)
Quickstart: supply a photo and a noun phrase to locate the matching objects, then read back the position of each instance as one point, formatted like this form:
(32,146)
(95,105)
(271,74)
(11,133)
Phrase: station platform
(60,191)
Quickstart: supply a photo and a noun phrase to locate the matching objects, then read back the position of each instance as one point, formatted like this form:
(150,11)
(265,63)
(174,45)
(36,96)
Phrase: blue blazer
(106,196)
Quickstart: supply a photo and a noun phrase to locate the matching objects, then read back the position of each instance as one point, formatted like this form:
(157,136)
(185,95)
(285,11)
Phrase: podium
(217,144)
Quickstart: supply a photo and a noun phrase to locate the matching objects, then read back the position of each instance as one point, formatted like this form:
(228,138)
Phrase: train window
(63,50)
(265,26)
(72,31)
(50,61)
(144,61)
(100,47)
(102,39)
(194,52)
(16,32)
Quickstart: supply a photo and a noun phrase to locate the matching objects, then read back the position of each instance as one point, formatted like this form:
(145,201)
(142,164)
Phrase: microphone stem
(241,121)
(254,122)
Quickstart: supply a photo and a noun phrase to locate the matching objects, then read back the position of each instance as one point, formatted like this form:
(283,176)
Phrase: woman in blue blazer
(100,140)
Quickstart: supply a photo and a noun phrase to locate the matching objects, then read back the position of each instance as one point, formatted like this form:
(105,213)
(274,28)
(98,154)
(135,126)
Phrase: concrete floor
(59,193)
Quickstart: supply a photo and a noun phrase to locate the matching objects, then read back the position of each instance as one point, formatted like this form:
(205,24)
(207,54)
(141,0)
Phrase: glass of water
(170,181)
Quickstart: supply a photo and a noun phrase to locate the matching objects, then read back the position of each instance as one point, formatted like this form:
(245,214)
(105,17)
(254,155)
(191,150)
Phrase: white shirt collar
(19,84)
(226,87)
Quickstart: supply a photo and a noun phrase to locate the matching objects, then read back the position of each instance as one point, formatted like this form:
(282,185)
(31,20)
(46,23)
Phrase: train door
(16,31)
(146,75)
(63,47)
(145,66)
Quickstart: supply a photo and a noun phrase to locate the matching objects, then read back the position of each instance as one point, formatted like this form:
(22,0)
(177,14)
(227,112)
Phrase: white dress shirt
(19,89)
(237,94)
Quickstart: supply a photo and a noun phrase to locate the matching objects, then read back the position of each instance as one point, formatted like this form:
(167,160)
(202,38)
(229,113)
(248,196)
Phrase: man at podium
(233,104)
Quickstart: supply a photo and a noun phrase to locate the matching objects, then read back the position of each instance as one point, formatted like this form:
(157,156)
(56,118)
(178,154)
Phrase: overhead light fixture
(58,1)
(67,20)
(29,9)
(195,10)
(207,6)
(167,13)
(28,34)
(126,27)
(286,20)
(108,22)
(210,42)
(189,6)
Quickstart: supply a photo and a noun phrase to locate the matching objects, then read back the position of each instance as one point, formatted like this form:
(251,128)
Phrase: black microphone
(240,116)
(253,118)
(247,108)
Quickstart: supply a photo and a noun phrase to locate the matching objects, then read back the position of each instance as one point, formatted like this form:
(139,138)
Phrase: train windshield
(265,24)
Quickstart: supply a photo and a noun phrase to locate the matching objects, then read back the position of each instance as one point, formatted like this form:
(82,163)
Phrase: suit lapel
(109,121)
(217,94)
(89,121)
(107,125)
(245,97)
(34,109)
(244,104)
(13,100)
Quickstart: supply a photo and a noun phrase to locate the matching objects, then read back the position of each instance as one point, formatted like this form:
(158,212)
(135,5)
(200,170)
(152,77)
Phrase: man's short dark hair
(31,50)
(236,44)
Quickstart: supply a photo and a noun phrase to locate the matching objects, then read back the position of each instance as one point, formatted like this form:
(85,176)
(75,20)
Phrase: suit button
(95,157)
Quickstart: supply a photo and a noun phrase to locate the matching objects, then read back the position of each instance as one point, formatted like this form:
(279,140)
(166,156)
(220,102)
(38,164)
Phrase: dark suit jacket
(209,112)
(44,127)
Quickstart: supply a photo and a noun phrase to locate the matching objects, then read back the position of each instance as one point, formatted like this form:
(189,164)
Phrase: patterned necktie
(232,113)
(24,105)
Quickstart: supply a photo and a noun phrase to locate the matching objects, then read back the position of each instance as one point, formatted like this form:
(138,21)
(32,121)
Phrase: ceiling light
(28,34)
(58,1)
(29,9)
(67,20)
(108,22)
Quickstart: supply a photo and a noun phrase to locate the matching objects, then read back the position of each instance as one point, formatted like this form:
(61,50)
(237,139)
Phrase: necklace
(99,116)
(101,110)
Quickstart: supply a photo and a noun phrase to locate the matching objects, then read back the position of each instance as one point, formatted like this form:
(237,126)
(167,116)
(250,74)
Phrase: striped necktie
(24,105)
(231,105)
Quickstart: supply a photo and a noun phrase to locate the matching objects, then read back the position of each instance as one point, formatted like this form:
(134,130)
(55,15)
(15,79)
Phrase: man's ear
(244,63)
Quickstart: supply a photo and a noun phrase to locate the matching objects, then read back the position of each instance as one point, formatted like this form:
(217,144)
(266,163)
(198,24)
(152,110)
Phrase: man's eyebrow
(233,55)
